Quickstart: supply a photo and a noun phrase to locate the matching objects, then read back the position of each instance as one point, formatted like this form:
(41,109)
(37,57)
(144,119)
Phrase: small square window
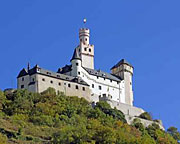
(51,82)
(100,88)
(69,85)
(43,79)
(59,84)
(83,88)
(64,83)
(85,49)
(22,86)
(77,64)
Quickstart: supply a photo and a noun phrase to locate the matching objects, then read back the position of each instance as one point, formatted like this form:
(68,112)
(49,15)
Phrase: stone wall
(145,122)
(125,108)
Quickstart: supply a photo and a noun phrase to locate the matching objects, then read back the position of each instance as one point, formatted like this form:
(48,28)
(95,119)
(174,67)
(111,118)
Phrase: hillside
(54,118)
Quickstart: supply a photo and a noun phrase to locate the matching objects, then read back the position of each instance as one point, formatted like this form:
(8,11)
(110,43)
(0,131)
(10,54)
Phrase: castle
(82,80)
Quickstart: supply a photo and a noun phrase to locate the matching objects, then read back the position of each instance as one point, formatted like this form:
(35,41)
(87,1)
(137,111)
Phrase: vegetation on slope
(54,118)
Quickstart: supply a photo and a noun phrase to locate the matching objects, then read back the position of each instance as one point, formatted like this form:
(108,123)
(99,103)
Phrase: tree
(173,131)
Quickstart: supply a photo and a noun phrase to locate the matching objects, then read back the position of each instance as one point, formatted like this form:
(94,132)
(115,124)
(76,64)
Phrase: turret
(86,50)
(125,71)
(76,63)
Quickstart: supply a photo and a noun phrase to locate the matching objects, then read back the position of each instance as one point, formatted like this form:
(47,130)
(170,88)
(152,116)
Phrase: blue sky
(146,33)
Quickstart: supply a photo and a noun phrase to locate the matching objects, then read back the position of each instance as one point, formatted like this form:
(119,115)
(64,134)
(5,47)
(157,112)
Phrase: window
(77,87)
(85,49)
(64,83)
(69,85)
(130,83)
(48,73)
(22,86)
(79,73)
(110,80)
(59,83)
(81,40)
(89,50)
(104,78)
(22,79)
(92,85)
(85,39)
(117,82)
(51,82)
(77,64)
(33,79)
(83,88)
(100,88)
(97,77)
(58,76)
(43,79)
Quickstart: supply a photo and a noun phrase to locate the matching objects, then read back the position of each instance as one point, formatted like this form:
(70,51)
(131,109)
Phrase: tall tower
(86,50)
(125,71)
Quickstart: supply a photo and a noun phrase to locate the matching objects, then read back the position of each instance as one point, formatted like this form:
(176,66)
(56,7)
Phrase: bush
(146,116)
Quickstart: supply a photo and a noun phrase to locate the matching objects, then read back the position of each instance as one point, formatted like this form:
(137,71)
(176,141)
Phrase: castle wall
(125,108)
(145,122)
(115,89)
(69,88)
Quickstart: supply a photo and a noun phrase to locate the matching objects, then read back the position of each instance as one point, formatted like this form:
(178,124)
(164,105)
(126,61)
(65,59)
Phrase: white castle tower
(125,71)
(86,50)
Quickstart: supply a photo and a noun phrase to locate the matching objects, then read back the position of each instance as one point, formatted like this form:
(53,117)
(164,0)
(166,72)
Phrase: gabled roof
(23,72)
(102,74)
(122,61)
(76,55)
(41,71)
(65,69)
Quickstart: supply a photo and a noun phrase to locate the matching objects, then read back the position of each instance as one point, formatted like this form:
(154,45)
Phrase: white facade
(116,87)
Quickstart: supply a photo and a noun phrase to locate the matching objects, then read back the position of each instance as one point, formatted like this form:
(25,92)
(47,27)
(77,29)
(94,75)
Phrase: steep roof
(76,55)
(102,74)
(41,71)
(122,61)
(23,72)
(65,69)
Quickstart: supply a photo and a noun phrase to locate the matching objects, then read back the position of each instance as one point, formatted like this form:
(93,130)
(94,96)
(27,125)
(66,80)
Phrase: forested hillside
(54,118)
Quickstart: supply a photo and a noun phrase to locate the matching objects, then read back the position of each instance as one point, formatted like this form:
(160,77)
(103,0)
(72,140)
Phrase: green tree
(173,131)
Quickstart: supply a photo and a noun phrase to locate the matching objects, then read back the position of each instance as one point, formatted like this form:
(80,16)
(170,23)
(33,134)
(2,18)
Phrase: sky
(145,33)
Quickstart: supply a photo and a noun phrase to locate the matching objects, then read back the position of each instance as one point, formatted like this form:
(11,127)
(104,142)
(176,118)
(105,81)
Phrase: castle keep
(82,80)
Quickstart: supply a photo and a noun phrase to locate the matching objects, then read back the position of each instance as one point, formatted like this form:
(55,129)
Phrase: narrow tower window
(77,87)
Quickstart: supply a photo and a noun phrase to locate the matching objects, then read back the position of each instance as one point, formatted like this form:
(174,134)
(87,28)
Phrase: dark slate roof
(23,72)
(65,69)
(38,70)
(102,74)
(123,61)
(76,55)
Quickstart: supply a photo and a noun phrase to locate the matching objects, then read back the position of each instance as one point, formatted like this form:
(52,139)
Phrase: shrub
(146,116)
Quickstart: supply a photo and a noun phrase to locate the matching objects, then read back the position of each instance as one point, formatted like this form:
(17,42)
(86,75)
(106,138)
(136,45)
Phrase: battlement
(84,32)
